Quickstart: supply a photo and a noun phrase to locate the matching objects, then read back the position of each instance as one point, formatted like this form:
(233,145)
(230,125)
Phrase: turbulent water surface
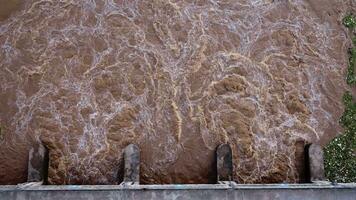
(175,77)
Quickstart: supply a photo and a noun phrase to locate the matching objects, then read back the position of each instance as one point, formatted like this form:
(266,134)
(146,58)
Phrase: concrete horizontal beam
(228,190)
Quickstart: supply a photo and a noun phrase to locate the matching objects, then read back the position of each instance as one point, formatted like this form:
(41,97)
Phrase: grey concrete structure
(224,163)
(132,164)
(229,190)
(226,189)
(315,163)
(38,160)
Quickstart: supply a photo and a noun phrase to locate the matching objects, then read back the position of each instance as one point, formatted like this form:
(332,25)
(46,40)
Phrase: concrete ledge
(228,190)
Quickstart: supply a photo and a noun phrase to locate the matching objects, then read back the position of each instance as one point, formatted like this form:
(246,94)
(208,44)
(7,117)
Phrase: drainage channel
(225,187)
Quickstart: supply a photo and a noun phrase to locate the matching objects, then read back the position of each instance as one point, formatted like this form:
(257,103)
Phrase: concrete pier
(132,164)
(224,164)
(315,163)
(38,161)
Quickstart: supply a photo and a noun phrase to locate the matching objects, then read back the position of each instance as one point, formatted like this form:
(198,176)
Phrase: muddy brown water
(177,78)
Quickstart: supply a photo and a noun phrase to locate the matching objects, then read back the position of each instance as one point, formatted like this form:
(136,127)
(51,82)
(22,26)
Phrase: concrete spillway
(177,78)
(224,188)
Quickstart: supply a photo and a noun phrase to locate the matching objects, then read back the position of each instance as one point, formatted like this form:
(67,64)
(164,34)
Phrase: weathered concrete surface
(132,163)
(232,191)
(316,163)
(38,159)
(224,163)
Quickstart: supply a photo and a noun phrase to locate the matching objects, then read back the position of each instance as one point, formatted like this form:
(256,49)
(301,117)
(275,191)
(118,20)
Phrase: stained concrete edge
(226,185)
(227,190)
